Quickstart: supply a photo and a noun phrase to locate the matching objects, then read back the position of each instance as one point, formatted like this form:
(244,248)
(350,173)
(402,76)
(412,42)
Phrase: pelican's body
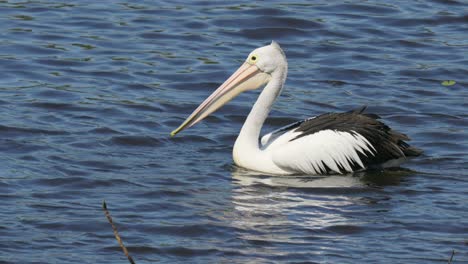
(330,143)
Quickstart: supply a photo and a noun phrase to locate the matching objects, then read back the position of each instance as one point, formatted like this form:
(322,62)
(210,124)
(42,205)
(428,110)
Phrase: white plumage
(310,154)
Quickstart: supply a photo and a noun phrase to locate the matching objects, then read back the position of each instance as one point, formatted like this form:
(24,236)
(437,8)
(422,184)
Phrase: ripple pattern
(90,91)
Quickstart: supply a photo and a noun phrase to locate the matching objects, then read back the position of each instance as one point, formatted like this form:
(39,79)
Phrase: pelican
(332,143)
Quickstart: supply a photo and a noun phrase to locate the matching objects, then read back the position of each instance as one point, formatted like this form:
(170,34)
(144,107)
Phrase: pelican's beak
(247,77)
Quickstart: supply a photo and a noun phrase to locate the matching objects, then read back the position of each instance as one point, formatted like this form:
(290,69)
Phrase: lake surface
(90,92)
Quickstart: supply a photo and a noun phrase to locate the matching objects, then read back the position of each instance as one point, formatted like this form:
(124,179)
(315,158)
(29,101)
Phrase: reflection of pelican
(269,204)
(329,143)
(276,213)
(246,178)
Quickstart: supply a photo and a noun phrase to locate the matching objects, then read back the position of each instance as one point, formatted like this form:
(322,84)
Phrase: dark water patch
(265,11)
(62,62)
(221,150)
(350,74)
(101,165)
(266,33)
(236,119)
(8,131)
(20,147)
(345,229)
(192,231)
(85,145)
(74,172)
(444,116)
(425,92)
(19,48)
(109,74)
(104,131)
(443,135)
(151,125)
(53,195)
(280,121)
(426,226)
(433,21)
(55,106)
(381,109)
(73,181)
(88,22)
(322,106)
(388,177)
(231,137)
(29,158)
(187,86)
(413,43)
(196,25)
(109,111)
(406,119)
(269,21)
(85,117)
(49,207)
(138,107)
(446,146)
(75,225)
(163,193)
(260,242)
(333,82)
(54,37)
(186,252)
(56,93)
(136,141)
(21,74)
(137,86)
(335,33)
(173,37)
(162,206)
(191,138)
(379,32)
(364,8)
(168,251)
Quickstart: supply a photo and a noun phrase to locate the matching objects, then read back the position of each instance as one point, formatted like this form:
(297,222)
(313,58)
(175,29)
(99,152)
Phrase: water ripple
(91,90)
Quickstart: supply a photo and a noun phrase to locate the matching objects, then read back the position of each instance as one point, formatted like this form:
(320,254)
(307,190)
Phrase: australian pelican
(326,144)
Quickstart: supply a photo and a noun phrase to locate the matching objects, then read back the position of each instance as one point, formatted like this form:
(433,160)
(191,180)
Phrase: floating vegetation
(55,73)
(84,46)
(448,82)
(54,46)
(207,61)
(21,29)
(23,17)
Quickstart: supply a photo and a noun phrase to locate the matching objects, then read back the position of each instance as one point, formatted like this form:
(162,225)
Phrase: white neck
(247,152)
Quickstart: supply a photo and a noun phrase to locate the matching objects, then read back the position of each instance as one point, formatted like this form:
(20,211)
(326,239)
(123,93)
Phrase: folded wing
(337,143)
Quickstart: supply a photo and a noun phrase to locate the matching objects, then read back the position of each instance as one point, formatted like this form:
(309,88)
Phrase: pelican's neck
(253,124)
(248,139)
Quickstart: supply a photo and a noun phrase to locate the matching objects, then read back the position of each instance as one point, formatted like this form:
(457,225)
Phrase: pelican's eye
(253,59)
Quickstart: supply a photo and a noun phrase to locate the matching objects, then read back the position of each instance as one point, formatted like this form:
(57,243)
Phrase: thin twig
(116,233)
(451,257)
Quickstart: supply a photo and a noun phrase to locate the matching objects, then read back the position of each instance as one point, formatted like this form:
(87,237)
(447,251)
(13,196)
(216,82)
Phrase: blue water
(89,92)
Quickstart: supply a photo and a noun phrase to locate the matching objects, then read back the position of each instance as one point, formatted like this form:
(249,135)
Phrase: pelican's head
(257,70)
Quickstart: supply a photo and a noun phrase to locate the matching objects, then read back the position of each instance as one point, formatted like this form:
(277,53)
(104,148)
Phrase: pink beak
(241,80)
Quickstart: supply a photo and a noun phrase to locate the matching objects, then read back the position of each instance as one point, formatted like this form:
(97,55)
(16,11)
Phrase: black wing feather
(388,144)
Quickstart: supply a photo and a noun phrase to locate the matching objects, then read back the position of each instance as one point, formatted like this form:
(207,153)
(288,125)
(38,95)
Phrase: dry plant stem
(116,233)
(451,257)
